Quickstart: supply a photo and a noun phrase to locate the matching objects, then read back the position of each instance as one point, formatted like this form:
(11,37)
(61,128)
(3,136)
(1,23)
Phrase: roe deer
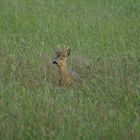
(65,76)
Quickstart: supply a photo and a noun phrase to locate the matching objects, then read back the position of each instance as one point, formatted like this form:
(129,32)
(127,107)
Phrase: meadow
(104,38)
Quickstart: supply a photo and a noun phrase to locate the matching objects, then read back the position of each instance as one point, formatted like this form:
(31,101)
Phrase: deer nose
(54,62)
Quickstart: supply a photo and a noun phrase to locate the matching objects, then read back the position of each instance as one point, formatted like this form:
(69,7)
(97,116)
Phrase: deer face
(61,58)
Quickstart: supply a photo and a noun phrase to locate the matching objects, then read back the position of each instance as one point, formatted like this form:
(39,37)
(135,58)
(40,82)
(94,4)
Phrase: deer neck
(63,70)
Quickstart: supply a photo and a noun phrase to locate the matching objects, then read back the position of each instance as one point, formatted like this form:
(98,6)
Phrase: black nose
(54,62)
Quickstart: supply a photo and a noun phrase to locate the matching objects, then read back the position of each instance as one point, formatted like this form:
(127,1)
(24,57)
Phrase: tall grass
(104,38)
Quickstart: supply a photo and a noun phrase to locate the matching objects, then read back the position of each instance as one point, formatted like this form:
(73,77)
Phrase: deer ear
(68,52)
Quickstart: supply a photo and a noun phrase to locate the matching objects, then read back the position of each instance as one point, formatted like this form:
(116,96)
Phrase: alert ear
(68,52)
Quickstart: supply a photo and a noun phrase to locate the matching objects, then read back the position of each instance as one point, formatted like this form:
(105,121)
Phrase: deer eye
(61,58)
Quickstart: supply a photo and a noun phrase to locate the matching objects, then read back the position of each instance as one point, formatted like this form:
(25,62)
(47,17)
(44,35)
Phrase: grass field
(104,36)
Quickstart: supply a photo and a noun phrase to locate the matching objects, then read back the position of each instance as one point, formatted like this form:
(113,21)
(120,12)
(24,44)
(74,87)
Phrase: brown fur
(65,76)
